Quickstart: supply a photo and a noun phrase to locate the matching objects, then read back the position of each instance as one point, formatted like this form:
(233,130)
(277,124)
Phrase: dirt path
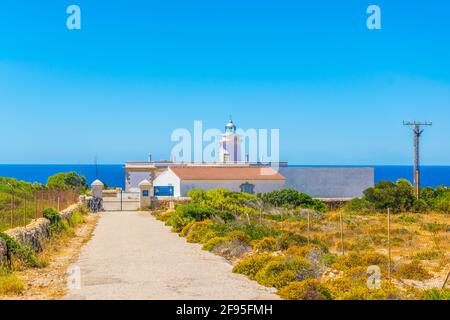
(51,282)
(134,256)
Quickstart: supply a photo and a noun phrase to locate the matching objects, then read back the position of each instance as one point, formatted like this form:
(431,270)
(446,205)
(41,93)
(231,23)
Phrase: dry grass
(424,238)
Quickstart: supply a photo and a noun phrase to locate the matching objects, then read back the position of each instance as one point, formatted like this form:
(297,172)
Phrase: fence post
(309,225)
(25,212)
(389,242)
(342,232)
(12,209)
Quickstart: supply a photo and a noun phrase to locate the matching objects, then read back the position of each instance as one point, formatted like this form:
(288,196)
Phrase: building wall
(168,178)
(134,178)
(233,185)
(329,182)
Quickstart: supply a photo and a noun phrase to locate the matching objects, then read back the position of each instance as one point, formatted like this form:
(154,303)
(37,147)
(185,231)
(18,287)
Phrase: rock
(3,251)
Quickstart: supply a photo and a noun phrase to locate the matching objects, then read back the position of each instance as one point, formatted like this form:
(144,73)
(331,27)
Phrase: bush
(76,219)
(67,181)
(290,239)
(197,232)
(231,248)
(278,273)
(352,260)
(252,265)
(52,215)
(23,253)
(310,289)
(233,245)
(187,213)
(413,271)
(359,206)
(265,244)
(436,294)
(11,285)
(293,199)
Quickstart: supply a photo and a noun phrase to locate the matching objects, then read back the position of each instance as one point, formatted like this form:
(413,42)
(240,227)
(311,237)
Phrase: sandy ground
(133,256)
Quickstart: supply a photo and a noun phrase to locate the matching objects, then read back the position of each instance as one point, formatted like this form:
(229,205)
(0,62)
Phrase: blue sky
(137,70)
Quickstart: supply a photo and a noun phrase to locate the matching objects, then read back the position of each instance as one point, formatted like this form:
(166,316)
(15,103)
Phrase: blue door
(163,191)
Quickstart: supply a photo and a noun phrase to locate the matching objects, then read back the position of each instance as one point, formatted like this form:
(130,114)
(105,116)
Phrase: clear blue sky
(139,69)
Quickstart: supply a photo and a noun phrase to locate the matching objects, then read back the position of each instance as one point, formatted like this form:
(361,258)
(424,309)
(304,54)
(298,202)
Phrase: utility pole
(417,133)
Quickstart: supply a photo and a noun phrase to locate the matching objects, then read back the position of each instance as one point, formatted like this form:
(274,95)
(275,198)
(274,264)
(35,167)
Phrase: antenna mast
(417,133)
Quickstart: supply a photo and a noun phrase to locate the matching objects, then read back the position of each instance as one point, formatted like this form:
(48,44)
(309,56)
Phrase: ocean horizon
(114,174)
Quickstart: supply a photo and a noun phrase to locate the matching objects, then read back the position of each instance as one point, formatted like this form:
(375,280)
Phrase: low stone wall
(34,233)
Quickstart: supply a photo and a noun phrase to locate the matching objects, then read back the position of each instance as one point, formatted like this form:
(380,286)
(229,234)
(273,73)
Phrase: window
(247,188)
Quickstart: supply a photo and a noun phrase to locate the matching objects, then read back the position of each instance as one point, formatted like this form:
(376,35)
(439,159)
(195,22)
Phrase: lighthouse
(230,145)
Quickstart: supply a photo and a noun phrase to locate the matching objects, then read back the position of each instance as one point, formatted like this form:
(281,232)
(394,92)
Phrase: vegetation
(21,257)
(20,201)
(400,197)
(286,241)
(67,181)
(292,199)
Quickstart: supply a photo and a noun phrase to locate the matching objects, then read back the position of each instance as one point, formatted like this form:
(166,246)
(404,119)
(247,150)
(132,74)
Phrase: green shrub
(290,239)
(359,206)
(413,270)
(198,231)
(67,181)
(436,294)
(293,199)
(187,213)
(278,273)
(353,259)
(52,215)
(76,219)
(328,259)
(252,265)
(275,274)
(310,289)
(212,243)
(19,251)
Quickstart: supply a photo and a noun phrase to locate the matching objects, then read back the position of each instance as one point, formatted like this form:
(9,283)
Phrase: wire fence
(19,208)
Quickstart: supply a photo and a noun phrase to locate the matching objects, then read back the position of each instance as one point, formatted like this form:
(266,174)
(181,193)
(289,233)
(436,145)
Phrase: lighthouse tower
(230,145)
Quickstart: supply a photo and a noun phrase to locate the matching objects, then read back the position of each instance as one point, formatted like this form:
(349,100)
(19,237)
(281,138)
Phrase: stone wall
(165,203)
(36,232)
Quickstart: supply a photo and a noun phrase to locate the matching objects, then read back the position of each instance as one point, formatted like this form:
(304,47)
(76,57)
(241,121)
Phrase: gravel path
(133,256)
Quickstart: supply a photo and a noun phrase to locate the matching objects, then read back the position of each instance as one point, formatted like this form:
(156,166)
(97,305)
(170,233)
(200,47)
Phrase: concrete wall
(233,185)
(329,182)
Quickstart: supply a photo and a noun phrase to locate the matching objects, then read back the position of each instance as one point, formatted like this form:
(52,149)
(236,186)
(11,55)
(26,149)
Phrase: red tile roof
(227,173)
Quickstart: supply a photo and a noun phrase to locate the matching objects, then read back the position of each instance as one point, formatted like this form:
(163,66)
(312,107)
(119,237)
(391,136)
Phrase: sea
(114,174)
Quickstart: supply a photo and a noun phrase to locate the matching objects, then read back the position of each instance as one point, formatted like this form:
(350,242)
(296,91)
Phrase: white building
(230,145)
(177,181)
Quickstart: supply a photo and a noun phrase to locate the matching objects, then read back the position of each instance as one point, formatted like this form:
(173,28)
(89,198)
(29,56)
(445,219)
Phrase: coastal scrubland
(21,202)
(291,242)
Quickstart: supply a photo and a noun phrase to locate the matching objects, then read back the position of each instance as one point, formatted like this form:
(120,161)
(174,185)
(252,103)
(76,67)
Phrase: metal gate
(121,201)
